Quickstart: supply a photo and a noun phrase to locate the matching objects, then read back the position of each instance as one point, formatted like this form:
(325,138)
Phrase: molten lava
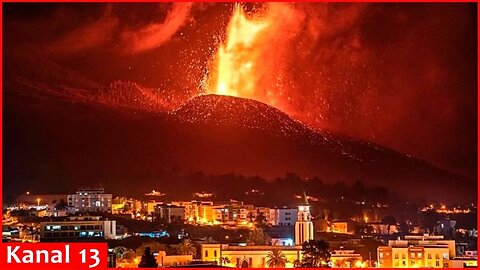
(236,71)
(253,62)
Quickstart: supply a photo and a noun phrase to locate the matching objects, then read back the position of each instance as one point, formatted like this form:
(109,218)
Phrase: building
(76,228)
(90,200)
(382,228)
(282,216)
(164,260)
(304,225)
(247,256)
(468,260)
(416,251)
(170,213)
(55,210)
(346,259)
(257,256)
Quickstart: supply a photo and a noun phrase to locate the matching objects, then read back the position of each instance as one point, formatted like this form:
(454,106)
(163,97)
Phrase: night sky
(400,75)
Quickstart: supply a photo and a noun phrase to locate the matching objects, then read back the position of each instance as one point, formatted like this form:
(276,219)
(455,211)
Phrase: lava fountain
(248,64)
(236,63)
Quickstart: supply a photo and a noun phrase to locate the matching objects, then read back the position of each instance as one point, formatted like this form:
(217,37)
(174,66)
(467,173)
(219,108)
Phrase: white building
(257,256)
(90,200)
(78,228)
(304,224)
(282,216)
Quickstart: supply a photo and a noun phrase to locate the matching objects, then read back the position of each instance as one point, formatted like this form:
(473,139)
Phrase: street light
(38,201)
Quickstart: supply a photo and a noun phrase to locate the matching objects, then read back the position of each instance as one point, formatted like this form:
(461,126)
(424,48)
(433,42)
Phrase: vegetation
(257,237)
(276,259)
(224,260)
(153,246)
(124,254)
(315,253)
(186,247)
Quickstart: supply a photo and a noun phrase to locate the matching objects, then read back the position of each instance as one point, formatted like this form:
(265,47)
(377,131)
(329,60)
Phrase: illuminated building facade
(282,216)
(78,228)
(304,225)
(247,256)
(90,200)
(416,251)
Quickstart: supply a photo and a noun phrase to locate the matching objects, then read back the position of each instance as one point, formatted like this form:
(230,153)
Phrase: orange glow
(251,62)
(236,61)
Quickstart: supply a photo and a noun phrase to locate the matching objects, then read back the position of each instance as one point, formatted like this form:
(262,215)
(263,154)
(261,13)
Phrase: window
(215,253)
(412,255)
(381,255)
(396,255)
(206,253)
(437,263)
(403,256)
(437,256)
(419,255)
(429,256)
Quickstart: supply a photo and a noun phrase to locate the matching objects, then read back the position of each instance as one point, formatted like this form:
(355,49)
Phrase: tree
(389,220)
(297,263)
(152,245)
(148,260)
(224,260)
(250,216)
(363,228)
(276,259)
(186,247)
(257,237)
(260,219)
(124,254)
(315,253)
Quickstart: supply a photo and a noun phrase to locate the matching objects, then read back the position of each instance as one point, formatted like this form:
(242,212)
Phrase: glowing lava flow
(236,70)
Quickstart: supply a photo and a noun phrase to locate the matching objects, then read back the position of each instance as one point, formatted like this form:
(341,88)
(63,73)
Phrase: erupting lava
(236,59)
(238,69)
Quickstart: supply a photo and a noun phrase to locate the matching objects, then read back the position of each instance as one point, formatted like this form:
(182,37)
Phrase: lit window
(419,255)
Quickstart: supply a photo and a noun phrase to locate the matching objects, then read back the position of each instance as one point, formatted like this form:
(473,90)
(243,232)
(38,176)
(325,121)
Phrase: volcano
(130,150)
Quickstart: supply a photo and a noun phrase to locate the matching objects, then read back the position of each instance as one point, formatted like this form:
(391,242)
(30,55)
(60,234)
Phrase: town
(206,232)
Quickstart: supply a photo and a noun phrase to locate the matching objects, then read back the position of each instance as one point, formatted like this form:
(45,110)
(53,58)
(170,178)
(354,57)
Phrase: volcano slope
(55,145)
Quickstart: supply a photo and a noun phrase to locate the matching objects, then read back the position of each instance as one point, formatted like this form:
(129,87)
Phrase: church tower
(304,225)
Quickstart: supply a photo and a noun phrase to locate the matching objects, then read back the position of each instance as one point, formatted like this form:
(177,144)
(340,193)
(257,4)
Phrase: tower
(304,225)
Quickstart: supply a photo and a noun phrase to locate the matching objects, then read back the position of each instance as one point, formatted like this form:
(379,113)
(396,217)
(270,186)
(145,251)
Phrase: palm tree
(224,260)
(276,259)
(187,247)
(315,253)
